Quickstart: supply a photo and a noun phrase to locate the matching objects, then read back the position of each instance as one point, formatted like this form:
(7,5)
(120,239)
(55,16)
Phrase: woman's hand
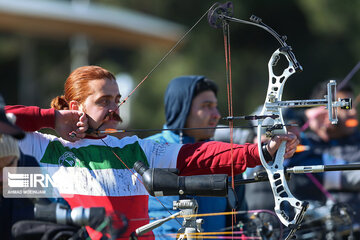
(71,124)
(291,142)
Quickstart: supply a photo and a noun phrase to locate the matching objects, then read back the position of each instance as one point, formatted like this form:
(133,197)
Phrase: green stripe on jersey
(93,156)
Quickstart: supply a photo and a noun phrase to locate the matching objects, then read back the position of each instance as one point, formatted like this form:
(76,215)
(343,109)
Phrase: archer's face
(203,113)
(105,98)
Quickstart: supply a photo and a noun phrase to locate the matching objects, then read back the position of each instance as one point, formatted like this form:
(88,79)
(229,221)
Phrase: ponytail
(59,103)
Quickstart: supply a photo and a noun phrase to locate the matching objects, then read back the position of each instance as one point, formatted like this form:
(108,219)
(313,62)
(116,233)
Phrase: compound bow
(289,209)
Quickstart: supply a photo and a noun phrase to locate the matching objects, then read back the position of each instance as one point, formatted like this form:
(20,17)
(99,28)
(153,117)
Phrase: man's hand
(71,124)
(292,142)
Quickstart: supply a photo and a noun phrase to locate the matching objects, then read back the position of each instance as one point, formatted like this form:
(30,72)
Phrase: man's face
(203,114)
(105,98)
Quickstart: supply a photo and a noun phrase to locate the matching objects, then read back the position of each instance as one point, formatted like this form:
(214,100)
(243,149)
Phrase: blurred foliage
(324,35)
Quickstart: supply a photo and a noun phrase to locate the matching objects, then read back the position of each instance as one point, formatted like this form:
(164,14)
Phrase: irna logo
(21,180)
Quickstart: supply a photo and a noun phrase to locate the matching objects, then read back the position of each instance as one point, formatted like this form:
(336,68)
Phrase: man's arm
(65,122)
(216,157)
(33,118)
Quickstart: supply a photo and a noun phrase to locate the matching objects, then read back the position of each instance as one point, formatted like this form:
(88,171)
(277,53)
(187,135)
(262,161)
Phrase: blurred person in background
(335,144)
(12,209)
(9,153)
(9,207)
(328,144)
(191,102)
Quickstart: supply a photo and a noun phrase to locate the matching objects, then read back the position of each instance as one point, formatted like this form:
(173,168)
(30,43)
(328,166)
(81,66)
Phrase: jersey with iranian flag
(94,175)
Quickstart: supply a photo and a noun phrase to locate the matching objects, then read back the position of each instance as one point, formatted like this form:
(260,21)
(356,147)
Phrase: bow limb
(289,209)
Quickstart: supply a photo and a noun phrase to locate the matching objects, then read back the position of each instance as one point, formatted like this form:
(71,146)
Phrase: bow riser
(282,196)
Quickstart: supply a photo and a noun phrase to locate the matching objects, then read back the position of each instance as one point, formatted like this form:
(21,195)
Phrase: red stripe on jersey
(134,208)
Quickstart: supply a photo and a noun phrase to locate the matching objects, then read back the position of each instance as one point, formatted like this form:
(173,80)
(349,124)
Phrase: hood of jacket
(178,98)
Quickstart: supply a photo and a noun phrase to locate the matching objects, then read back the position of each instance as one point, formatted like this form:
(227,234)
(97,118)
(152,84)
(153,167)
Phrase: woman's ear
(74,105)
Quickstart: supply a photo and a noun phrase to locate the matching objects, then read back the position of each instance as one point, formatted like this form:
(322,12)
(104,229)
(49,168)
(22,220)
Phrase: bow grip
(289,209)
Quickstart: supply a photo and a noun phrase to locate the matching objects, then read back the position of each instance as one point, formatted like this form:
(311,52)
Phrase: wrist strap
(266,153)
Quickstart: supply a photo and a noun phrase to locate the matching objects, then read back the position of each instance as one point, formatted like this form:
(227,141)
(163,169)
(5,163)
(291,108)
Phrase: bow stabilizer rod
(250,117)
(262,176)
(322,168)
